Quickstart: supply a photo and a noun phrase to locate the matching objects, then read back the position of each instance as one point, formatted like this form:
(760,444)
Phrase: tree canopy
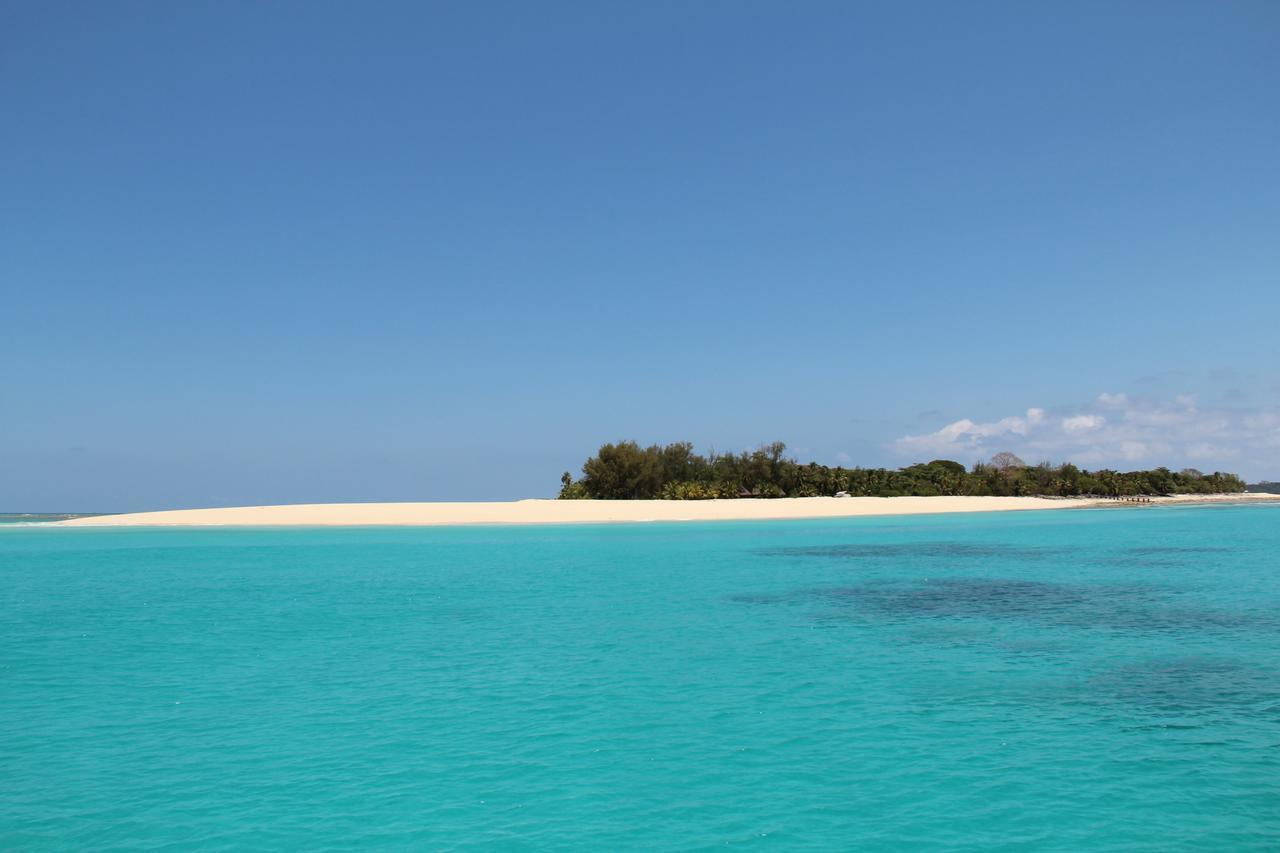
(625,470)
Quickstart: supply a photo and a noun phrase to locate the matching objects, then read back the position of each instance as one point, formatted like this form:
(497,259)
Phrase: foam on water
(1064,680)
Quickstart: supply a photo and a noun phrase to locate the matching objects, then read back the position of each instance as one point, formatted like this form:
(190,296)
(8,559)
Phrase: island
(626,483)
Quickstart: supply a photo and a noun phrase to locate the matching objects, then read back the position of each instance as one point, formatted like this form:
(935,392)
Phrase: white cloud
(966,433)
(1082,423)
(1205,450)
(1134,450)
(1116,430)
(1113,401)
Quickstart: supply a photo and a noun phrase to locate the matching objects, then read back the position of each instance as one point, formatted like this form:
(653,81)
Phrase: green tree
(675,472)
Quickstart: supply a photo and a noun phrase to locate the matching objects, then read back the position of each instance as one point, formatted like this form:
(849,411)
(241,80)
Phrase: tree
(627,471)
(1005,460)
(623,471)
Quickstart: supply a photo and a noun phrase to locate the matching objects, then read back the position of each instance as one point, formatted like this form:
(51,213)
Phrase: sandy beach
(587,512)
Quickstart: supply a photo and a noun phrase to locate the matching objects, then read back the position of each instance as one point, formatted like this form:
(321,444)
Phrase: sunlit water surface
(1059,680)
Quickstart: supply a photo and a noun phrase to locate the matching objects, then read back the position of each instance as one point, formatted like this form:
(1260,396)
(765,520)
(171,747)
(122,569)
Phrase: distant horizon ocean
(1095,679)
(39,517)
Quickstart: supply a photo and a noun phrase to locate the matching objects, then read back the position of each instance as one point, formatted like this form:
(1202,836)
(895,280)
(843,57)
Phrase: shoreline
(550,511)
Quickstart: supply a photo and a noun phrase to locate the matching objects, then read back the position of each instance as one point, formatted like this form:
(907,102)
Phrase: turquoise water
(1065,680)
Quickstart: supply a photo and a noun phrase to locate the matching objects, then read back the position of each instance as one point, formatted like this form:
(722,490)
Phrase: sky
(327,251)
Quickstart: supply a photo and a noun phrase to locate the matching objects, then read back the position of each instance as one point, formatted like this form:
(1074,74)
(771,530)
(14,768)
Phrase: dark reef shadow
(1141,608)
(1187,685)
(916,550)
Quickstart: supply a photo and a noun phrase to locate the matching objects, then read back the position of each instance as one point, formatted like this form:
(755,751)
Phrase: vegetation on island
(626,470)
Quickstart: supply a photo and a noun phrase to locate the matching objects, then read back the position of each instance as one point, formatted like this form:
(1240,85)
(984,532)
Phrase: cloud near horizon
(1116,430)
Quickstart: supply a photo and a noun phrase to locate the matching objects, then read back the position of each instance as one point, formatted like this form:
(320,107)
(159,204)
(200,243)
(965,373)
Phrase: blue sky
(261,253)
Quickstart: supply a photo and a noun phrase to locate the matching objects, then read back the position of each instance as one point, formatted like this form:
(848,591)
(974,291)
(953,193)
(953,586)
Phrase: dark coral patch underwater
(916,550)
(1189,684)
(1117,607)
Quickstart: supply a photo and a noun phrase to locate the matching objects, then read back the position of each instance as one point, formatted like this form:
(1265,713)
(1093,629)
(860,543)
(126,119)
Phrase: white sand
(580,512)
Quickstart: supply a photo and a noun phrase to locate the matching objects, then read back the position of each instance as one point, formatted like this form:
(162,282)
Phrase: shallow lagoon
(1057,680)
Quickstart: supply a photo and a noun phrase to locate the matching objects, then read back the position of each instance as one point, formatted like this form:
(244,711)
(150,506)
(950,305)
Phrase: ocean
(34,517)
(1066,680)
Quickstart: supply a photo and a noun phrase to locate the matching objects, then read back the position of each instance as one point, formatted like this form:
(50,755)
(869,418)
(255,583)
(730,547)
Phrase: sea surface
(33,517)
(1066,680)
